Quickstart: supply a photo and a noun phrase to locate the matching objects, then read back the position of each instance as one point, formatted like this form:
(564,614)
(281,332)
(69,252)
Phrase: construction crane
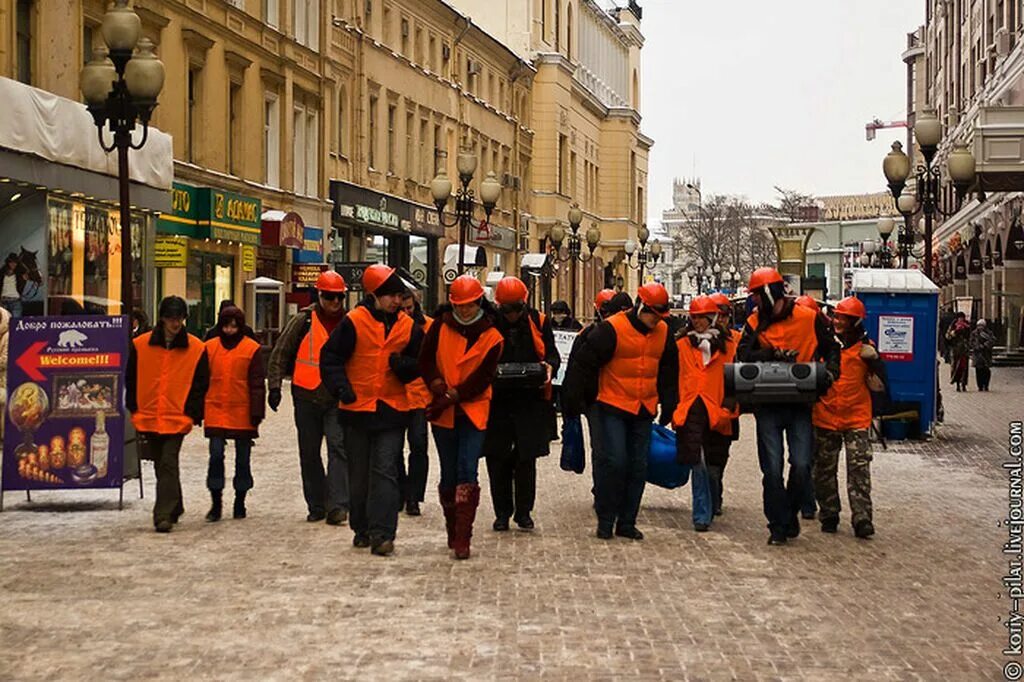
(871,129)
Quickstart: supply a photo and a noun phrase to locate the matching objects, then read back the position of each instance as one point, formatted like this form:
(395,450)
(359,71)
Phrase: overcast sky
(756,93)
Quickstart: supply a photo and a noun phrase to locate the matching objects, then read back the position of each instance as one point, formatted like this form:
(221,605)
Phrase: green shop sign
(207,213)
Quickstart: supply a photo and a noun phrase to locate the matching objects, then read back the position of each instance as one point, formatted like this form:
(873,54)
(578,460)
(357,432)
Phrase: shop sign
(373,209)
(425,221)
(312,246)
(307,273)
(896,337)
(170,252)
(64,422)
(496,236)
(248,258)
(379,215)
(204,212)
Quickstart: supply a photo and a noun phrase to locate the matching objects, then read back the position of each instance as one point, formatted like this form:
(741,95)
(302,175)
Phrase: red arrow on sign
(28,361)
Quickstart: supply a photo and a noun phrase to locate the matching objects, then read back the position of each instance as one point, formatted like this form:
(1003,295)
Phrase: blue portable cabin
(903,319)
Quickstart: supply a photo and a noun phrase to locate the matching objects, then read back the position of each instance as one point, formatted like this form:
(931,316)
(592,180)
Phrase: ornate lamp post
(643,252)
(573,251)
(886,225)
(928,177)
(465,201)
(121,85)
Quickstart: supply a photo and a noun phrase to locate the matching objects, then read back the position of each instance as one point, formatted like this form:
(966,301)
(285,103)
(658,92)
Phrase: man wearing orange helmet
(843,417)
(297,354)
(782,331)
(366,364)
(513,441)
(633,357)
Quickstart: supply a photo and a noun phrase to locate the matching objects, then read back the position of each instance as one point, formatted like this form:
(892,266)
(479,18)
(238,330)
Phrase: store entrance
(215,278)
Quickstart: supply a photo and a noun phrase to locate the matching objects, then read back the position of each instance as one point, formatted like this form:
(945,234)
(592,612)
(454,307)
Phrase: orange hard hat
(720,299)
(763,277)
(465,289)
(331,281)
(375,275)
(703,305)
(654,295)
(852,306)
(511,290)
(807,302)
(603,297)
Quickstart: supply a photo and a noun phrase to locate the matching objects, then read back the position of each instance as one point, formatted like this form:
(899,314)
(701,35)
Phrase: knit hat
(174,308)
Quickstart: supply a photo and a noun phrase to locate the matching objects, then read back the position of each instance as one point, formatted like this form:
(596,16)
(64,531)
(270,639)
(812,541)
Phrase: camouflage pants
(858,472)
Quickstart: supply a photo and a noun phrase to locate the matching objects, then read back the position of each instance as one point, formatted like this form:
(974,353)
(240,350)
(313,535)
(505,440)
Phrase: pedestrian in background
(140,322)
(366,365)
(414,479)
(958,338)
(562,318)
(235,406)
(215,331)
(166,382)
(843,418)
(297,354)
(981,343)
(458,362)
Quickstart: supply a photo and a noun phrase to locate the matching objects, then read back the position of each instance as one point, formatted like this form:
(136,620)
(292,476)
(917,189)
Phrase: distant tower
(684,197)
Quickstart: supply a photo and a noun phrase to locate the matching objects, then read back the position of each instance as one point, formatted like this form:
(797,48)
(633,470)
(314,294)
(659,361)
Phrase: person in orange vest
(513,442)
(414,479)
(718,455)
(235,406)
(781,331)
(166,382)
(809,505)
(843,417)
(366,365)
(703,351)
(634,359)
(459,362)
(297,353)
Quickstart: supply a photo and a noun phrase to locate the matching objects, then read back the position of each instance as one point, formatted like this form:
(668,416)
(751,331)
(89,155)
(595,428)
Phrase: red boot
(447,496)
(467,497)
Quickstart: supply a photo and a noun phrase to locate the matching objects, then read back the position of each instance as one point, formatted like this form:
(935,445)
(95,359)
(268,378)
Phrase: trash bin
(903,319)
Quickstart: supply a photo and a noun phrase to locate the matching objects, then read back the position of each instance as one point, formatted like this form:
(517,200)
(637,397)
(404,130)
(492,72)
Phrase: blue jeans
(700,484)
(622,467)
(459,449)
(782,501)
(243,471)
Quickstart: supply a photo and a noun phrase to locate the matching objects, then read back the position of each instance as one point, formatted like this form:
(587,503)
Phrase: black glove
(782,355)
(346,395)
(274,398)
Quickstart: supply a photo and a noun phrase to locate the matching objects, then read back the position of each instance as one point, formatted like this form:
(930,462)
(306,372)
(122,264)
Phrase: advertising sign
(64,423)
(896,337)
(249,258)
(170,252)
(563,342)
(307,273)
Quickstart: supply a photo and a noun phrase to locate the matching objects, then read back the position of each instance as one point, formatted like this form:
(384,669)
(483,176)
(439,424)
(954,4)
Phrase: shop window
(378,249)
(271,142)
(419,260)
(23,28)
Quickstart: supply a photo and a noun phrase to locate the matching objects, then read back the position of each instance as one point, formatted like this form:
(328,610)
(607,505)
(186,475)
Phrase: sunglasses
(330,296)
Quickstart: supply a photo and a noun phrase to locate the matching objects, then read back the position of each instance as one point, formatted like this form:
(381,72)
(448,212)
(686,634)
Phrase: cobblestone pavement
(89,592)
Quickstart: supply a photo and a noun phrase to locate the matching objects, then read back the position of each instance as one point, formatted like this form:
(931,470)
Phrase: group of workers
(368,379)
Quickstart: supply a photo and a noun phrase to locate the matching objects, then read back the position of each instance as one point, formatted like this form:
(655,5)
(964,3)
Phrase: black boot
(215,508)
(239,510)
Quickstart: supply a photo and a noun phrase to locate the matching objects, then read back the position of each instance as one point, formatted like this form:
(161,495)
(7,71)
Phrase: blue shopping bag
(662,468)
(573,458)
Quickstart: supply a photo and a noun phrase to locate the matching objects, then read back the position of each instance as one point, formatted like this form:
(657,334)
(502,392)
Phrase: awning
(533,261)
(282,228)
(475,256)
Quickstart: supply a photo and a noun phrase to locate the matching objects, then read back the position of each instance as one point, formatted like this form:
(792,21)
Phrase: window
(271,13)
(88,33)
(419,57)
(386,28)
(568,31)
(425,169)
(563,158)
(371,155)
(306,22)
(192,93)
(432,54)
(271,142)
(234,128)
(23,28)
(573,188)
(410,144)
(543,19)
(305,169)
(342,112)
(438,140)
(392,151)
(404,28)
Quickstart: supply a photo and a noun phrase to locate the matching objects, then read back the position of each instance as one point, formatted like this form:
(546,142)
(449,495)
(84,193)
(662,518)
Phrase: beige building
(585,113)
(967,62)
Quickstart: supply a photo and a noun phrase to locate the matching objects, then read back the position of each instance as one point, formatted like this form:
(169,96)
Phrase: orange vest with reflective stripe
(227,400)
(796,332)
(368,368)
(705,382)
(847,404)
(630,379)
(163,380)
(307,361)
(416,390)
(455,363)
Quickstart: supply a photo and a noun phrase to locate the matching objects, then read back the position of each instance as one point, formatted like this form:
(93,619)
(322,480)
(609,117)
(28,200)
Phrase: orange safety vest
(368,368)
(307,361)
(416,390)
(163,380)
(455,363)
(705,382)
(227,401)
(796,332)
(847,404)
(630,379)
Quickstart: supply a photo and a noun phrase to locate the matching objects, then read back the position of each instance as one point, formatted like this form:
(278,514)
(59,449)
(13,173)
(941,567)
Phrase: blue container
(903,319)
(662,469)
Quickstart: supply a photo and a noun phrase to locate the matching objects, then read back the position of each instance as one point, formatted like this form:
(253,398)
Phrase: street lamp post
(643,251)
(886,225)
(928,177)
(465,200)
(120,86)
(574,251)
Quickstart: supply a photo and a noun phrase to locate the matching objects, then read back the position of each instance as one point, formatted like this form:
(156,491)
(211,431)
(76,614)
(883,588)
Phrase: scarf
(707,342)
(467,323)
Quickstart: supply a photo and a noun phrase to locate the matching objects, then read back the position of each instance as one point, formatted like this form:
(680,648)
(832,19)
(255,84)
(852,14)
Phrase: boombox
(761,383)
(521,375)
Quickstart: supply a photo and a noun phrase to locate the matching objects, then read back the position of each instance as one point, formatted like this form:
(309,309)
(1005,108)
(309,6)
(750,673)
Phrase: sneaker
(863,528)
(701,527)
(164,526)
(604,533)
(313,517)
(525,523)
(385,548)
(361,541)
(777,539)
(829,524)
(631,532)
(412,508)
(500,525)
(337,517)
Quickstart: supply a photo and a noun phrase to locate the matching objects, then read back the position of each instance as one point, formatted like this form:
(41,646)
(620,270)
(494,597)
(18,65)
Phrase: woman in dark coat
(982,342)
(958,340)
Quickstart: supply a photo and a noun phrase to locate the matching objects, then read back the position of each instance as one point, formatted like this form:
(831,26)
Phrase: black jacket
(195,402)
(519,347)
